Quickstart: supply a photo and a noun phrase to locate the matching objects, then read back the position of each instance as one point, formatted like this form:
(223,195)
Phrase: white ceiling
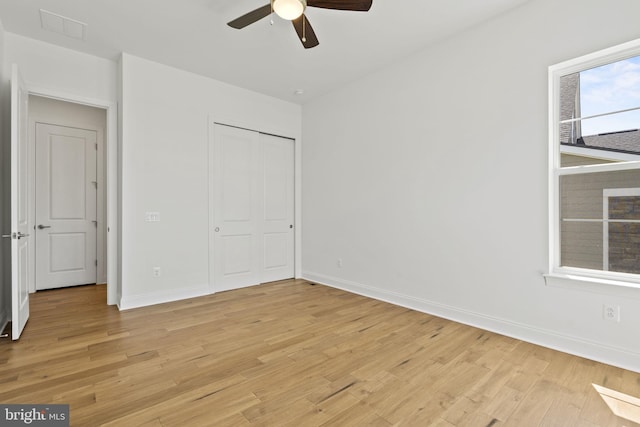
(193,35)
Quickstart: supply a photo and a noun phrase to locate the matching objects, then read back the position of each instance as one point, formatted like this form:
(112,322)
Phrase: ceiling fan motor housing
(289,9)
(293,10)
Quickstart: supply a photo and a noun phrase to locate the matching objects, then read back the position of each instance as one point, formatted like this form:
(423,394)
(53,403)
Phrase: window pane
(624,234)
(609,90)
(581,195)
(600,210)
(581,244)
(615,127)
(624,207)
(611,87)
(624,247)
(570,108)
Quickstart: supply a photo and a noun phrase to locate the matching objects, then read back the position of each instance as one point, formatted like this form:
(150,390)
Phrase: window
(594,132)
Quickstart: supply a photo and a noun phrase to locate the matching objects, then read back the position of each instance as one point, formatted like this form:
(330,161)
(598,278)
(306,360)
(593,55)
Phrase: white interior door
(20,238)
(277,214)
(66,191)
(252,194)
(236,204)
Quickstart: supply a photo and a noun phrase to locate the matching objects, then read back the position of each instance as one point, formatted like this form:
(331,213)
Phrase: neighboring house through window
(595,165)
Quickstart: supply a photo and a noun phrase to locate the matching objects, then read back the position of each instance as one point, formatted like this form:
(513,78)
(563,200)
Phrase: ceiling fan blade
(251,17)
(305,32)
(354,5)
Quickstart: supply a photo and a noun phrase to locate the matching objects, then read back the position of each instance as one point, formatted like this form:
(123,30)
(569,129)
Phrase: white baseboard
(128,302)
(547,338)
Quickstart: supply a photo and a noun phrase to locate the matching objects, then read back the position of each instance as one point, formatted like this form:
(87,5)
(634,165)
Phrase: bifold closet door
(252,209)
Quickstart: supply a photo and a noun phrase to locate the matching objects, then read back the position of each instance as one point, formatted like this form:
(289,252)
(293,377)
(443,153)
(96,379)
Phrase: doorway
(68,208)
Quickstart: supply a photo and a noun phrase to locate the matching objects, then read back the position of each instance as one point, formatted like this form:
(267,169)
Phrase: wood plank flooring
(291,354)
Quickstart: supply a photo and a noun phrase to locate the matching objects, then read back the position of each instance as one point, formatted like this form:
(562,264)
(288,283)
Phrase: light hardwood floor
(291,354)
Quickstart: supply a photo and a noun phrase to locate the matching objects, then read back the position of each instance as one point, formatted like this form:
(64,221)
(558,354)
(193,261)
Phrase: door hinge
(96,263)
(96,147)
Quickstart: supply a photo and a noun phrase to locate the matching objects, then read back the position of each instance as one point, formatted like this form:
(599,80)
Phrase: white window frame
(596,59)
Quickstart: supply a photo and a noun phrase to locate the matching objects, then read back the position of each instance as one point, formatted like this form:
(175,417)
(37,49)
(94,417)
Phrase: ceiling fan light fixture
(289,9)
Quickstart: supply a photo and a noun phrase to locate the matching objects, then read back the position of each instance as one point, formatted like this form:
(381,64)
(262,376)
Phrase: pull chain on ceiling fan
(293,10)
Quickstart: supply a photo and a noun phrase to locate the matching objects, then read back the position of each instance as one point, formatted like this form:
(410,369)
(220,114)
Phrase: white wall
(166,117)
(428,180)
(5,285)
(54,68)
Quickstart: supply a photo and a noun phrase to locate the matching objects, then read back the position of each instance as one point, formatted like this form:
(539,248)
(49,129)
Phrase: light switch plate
(152,216)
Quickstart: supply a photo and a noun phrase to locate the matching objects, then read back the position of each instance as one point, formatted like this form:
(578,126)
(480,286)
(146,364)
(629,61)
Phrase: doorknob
(217,229)
(42,227)
(20,235)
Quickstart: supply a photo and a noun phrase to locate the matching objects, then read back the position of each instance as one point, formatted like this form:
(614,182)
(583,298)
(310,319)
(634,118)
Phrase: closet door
(277,226)
(252,208)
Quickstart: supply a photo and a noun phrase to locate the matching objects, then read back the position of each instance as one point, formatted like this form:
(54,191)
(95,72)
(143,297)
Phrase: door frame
(294,135)
(110,140)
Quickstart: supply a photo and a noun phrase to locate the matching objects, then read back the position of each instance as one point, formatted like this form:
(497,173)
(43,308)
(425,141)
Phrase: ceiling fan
(293,10)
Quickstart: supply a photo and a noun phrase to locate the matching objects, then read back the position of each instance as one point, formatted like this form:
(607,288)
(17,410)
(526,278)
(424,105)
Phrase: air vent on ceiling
(63,25)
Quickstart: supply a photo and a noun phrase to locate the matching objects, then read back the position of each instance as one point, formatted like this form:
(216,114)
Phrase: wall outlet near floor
(339,262)
(611,312)
(157,272)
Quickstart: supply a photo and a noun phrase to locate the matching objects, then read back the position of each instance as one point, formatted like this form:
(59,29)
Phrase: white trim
(111,141)
(159,297)
(592,284)
(605,230)
(553,163)
(595,59)
(605,277)
(578,346)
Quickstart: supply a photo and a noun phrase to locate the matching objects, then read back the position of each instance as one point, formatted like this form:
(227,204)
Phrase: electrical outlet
(157,272)
(611,312)
(339,262)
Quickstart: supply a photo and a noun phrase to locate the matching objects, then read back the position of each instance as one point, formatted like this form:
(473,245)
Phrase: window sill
(592,284)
